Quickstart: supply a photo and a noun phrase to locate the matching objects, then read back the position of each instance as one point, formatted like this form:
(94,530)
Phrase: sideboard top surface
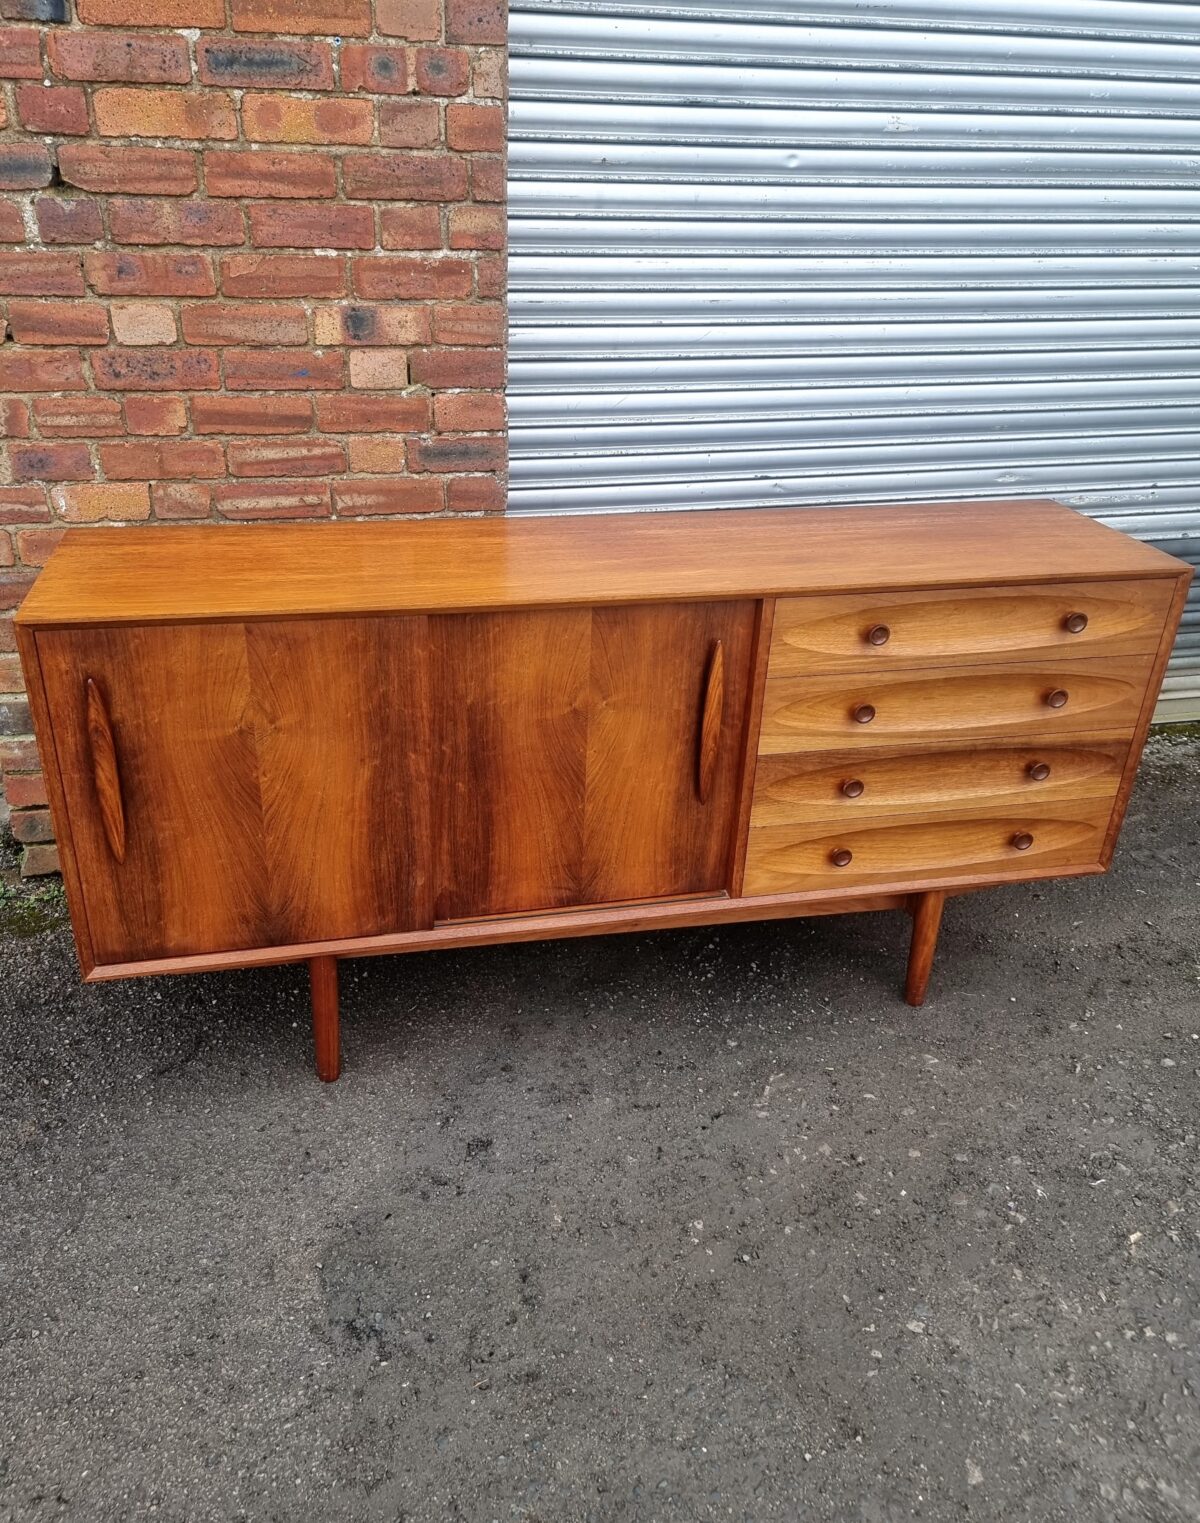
(140,574)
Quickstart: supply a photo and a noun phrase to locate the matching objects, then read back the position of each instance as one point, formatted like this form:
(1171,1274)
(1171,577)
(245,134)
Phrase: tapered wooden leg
(322,973)
(927,920)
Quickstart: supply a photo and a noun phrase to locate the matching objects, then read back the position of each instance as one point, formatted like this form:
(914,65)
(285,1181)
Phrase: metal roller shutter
(860,250)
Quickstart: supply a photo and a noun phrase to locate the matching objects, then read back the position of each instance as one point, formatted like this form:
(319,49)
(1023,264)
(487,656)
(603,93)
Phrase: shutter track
(860,250)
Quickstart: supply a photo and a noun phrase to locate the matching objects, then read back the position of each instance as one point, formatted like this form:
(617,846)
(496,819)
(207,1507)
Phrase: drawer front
(907,854)
(875,633)
(852,786)
(901,708)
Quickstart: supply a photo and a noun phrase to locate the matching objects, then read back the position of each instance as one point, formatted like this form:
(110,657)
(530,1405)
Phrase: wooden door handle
(711,716)
(104,770)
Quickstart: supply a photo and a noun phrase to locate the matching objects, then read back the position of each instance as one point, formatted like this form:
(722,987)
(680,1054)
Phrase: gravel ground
(704,1225)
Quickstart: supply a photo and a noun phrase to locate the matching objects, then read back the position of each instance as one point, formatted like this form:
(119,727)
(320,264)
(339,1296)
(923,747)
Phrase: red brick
(411,227)
(279,457)
(64,220)
(156,415)
(460,323)
(476,20)
(58,322)
(216,322)
(40,275)
(25,166)
(410,123)
(443,71)
(360,325)
(475,494)
(491,276)
(23,505)
(13,587)
(478,227)
(326,18)
(78,417)
(150,274)
(118,57)
(273,499)
(133,171)
(114,501)
(23,370)
(50,462)
(468,412)
(123,111)
(36,546)
(155,369)
(153,220)
(475,129)
(444,369)
(283,275)
(415,20)
(20,53)
(14,418)
(292,175)
(349,414)
(405,177)
(414,279)
(379,369)
(180,13)
(18,753)
(398,494)
(40,861)
(488,179)
(31,825)
(52,108)
(458,453)
(287,370)
(275,118)
(25,790)
(383,71)
(143,323)
(311,224)
(173,459)
(266,64)
(251,415)
(7,558)
(181,499)
(12,228)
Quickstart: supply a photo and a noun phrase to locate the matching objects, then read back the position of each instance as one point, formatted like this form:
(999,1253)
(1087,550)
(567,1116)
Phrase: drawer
(989,845)
(936,704)
(978,625)
(853,786)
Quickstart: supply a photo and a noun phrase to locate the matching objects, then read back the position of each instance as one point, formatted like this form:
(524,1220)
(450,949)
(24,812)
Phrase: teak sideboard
(267,744)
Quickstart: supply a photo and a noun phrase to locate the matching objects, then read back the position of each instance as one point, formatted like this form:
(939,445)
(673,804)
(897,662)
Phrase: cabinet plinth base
(322,973)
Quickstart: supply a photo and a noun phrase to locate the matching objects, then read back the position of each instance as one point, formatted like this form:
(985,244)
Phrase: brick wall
(251,267)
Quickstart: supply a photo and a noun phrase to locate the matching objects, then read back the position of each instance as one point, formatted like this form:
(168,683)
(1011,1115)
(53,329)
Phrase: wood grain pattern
(927,920)
(812,785)
(106,777)
(913,850)
(326,1018)
(749,746)
(566,755)
(708,747)
(273,780)
(100,576)
(930,628)
(952,703)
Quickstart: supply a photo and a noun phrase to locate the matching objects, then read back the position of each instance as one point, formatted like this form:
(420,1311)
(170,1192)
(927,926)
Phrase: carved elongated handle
(104,770)
(710,722)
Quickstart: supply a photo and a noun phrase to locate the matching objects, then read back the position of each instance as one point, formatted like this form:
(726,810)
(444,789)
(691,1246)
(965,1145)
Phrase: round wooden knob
(878,634)
(1022,840)
(1075,623)
(1058,698)
(842,857)
(854,787)
(1039,771)
(864,713)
